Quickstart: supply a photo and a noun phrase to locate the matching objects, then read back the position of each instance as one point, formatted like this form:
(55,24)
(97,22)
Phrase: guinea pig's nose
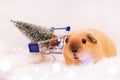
(74,50)
(74,47)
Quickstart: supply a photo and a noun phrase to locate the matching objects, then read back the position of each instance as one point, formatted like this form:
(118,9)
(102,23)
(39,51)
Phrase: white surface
(101,14)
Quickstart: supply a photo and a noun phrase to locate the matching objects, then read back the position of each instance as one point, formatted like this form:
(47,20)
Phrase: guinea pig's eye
(83,41)
(66,40)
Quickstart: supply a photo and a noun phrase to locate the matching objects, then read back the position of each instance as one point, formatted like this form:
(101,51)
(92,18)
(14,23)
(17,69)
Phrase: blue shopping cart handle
(33,47)
(67,28)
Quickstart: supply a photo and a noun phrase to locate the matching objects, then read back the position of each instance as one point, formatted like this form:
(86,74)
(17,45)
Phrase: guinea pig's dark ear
(92,39)
(67,39)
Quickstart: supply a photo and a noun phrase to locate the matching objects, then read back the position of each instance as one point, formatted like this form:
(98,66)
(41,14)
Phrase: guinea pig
(87,46)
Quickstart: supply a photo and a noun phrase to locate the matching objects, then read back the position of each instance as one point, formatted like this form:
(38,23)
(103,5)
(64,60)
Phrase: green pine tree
(33,32)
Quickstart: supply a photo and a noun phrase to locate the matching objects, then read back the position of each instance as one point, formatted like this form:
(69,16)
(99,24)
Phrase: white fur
(86,58)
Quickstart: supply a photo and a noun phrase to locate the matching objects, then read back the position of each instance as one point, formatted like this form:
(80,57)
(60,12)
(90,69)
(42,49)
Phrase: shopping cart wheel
(33,47)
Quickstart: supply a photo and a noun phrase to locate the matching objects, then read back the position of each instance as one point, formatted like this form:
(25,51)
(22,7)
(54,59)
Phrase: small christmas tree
(33,32)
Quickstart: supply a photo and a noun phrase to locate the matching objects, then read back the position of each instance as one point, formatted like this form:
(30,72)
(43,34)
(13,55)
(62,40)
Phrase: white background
(101,14)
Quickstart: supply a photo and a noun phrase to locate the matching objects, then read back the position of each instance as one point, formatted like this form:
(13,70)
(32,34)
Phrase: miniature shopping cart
(40,47)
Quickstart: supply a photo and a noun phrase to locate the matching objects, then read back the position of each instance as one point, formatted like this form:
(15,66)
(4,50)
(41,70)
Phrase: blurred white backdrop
(101,14)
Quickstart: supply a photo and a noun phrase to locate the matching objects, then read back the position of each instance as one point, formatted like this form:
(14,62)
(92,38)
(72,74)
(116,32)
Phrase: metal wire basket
(40,47)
